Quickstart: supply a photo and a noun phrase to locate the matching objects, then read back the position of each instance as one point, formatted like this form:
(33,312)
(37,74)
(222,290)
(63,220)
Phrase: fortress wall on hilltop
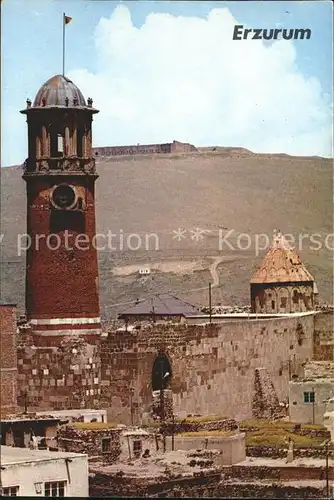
(171,147)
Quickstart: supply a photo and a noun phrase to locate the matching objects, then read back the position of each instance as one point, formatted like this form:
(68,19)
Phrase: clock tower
(61,270)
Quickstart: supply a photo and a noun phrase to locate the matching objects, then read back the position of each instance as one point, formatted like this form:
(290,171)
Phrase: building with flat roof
(309,395)
(43,473)
(159,307)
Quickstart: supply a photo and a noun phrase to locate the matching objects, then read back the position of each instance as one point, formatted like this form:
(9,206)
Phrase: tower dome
(281,265)
(59,91)
(282,284)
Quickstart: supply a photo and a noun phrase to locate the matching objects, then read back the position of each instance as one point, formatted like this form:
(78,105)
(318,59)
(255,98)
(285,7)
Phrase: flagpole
(64,44)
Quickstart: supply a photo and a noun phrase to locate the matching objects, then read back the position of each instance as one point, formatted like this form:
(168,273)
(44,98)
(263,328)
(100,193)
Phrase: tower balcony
(60,165)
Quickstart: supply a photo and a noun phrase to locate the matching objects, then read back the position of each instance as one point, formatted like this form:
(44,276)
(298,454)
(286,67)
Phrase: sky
(160,71)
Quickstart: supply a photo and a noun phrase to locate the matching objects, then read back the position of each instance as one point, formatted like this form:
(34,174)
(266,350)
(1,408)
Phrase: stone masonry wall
(8,359)
(324,336)
(265,400)
(169,147)
(89,441)
(213,366)
(189,425)
(63,377)
(102,484)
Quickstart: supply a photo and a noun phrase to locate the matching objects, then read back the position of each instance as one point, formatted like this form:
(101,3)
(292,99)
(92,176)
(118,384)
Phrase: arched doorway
(161,373)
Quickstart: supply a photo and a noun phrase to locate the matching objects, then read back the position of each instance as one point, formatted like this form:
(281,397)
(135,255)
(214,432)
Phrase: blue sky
(110,49)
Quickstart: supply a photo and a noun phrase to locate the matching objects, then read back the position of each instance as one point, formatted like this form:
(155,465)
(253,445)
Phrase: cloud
(184,78)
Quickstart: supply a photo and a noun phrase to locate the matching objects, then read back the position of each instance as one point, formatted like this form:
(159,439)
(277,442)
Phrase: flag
(67,19)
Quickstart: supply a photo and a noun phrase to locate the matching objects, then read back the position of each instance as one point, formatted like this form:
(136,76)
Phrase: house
(159,307)
(308,399)
(30,431)
(43,473)
(144,271)
(106,442)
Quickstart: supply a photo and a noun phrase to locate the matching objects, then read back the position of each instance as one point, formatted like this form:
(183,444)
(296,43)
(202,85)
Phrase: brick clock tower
(62,271)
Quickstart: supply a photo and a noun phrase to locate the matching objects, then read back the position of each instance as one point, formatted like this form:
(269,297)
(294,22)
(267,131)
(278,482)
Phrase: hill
(225,191)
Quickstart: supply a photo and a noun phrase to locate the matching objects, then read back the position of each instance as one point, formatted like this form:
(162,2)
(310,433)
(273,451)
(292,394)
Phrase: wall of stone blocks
(282,297)
(175,146)
(232,448)
(204,487)
(119,377)
(58,378)
(89,440)
(213,366)
(324,336)
(8,359)
(128,448)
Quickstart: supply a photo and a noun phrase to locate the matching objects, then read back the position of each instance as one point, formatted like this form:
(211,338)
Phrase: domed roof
(281,264)
(56,91)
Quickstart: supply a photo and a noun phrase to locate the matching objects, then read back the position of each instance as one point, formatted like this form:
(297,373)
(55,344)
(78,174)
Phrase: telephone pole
(162,405)
(64,23)
(327,469)
(210,303)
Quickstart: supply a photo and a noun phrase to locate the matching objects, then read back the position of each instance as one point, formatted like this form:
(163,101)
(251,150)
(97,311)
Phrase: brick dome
(56,91)
(281,264)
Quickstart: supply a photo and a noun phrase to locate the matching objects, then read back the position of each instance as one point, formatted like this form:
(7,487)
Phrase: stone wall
(319,369)
(282,297)
(89,440)
(199,487)
(135,443)
(122,445)
(211,364)
(58,378)
(162,406)
(8,359)
(232,448)
(324,336)
(273,452)
(195,425)
(279,473)
(175,146)
(265,401)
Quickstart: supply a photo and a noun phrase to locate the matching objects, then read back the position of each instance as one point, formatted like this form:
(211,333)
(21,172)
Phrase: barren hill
(180,206)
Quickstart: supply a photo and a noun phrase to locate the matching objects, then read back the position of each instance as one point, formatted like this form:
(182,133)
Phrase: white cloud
(184,78)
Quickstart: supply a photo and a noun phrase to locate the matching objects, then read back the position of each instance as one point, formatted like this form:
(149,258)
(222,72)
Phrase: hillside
(226,189)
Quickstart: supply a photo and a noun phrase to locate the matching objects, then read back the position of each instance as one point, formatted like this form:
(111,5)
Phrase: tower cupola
(59,129)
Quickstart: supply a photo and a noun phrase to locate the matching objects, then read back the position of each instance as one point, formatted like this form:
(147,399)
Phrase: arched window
(80,141)
(161,373)
(57,141)
(60,143)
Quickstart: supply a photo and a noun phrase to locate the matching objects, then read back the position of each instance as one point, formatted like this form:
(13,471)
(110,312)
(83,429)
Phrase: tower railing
(64,164)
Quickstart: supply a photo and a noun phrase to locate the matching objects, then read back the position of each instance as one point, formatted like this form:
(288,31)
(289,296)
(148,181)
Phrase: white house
(308,398)
(144,271)
(26,472)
